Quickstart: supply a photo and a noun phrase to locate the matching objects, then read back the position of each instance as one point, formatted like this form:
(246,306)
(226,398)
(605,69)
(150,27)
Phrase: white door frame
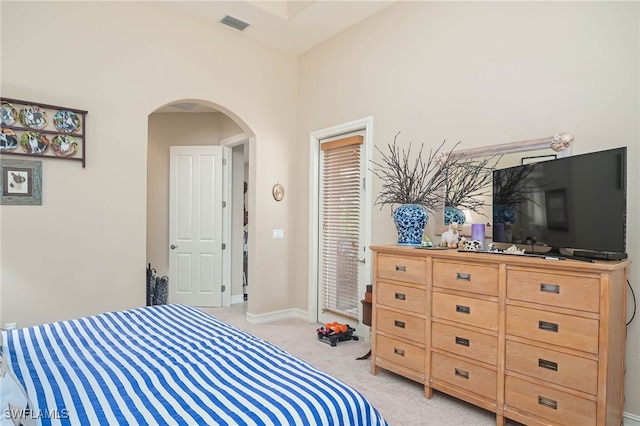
(227,196)
(363,124)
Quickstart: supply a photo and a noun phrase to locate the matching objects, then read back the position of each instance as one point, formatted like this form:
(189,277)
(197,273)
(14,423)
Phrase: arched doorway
(190,122)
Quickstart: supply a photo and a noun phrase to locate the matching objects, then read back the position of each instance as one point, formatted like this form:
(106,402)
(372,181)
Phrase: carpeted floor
(401,401)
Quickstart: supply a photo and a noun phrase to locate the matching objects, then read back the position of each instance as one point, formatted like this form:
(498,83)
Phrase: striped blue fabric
(172,365)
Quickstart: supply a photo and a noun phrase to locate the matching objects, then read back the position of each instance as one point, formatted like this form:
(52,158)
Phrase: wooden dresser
(534,340)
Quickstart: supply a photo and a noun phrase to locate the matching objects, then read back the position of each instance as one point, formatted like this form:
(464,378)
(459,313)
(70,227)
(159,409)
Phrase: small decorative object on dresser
(478,233)
(413,184)
(450,238)
(469,245)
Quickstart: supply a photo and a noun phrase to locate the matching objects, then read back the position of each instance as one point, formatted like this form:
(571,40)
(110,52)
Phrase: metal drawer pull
(549,288)
(398,351)
(400,296)
(548,326)
(399,324)
(549,365)
(463,277)
(463,309)
(461,373)
(401,268)
(547,402)
(462,341)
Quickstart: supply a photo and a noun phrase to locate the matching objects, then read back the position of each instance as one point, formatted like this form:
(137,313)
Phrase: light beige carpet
(399,400)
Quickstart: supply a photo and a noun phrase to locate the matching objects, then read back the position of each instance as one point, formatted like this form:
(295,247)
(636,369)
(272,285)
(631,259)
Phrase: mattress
(165,365)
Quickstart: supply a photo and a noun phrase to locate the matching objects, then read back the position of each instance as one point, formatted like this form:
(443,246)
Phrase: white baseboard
(631,419)
(277,316)
(238,298)
(362,331)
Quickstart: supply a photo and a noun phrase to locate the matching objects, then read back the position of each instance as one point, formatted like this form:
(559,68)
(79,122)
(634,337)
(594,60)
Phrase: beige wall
(84,250)
(484,73)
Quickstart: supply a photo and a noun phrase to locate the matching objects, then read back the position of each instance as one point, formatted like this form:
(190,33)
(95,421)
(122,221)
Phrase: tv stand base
(600,255)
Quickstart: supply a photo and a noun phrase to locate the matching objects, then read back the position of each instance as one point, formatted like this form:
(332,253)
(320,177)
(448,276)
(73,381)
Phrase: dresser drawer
(556,406)
(481,279)
(402,325)
(554,328)
(466,310)
(400,353)
(480,380)
(400,268)
(548,288)
(402,297)
(555,367)
(478,346)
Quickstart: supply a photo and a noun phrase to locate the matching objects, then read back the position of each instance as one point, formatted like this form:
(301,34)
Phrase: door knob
(362,260)
(173,246)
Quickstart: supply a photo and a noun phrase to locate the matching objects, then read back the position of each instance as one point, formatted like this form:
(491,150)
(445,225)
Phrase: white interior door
(195,225)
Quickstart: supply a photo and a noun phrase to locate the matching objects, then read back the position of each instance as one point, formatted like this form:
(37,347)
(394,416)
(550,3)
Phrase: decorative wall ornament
(278,192)
(561,142)
(39,130)
(21,182)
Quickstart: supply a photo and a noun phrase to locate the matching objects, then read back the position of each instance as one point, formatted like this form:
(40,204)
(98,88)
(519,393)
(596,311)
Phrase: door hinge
(224,246)
(364,183)
(224,161)
(223,288)
(224,204)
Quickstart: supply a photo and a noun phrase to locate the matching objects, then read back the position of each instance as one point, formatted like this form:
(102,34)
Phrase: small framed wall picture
(21,182)
(278,192)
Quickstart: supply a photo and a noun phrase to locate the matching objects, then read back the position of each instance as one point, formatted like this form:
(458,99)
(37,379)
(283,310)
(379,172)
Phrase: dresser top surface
(511,259)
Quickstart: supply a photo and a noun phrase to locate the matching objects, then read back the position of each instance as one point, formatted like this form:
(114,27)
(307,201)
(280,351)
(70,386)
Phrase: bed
(166,364)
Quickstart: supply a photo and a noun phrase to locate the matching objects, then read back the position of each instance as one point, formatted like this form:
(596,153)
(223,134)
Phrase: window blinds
(340,233)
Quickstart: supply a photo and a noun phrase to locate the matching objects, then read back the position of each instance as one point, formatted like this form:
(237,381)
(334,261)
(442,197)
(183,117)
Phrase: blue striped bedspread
(166,365)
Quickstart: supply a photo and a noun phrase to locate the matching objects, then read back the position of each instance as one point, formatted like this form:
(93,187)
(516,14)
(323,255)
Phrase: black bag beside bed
(157,288)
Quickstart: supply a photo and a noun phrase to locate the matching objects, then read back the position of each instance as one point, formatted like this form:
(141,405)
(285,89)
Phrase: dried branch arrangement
(468,180)
(412,181)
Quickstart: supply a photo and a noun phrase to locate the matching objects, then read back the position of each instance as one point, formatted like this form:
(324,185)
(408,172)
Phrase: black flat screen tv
(576,202)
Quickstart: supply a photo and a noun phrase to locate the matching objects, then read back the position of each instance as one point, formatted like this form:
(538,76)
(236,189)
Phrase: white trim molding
(631,419)
(363,124)
(277,316)
(227,170)
(237,298)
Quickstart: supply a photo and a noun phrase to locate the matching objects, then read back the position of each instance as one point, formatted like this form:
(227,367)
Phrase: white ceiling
(293,26)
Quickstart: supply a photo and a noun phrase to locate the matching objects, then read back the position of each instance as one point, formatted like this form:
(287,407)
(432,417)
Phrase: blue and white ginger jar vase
(453,214)
(410,220)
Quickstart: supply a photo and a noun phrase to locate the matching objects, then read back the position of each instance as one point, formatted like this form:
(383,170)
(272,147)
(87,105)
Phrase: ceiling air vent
(236,23)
